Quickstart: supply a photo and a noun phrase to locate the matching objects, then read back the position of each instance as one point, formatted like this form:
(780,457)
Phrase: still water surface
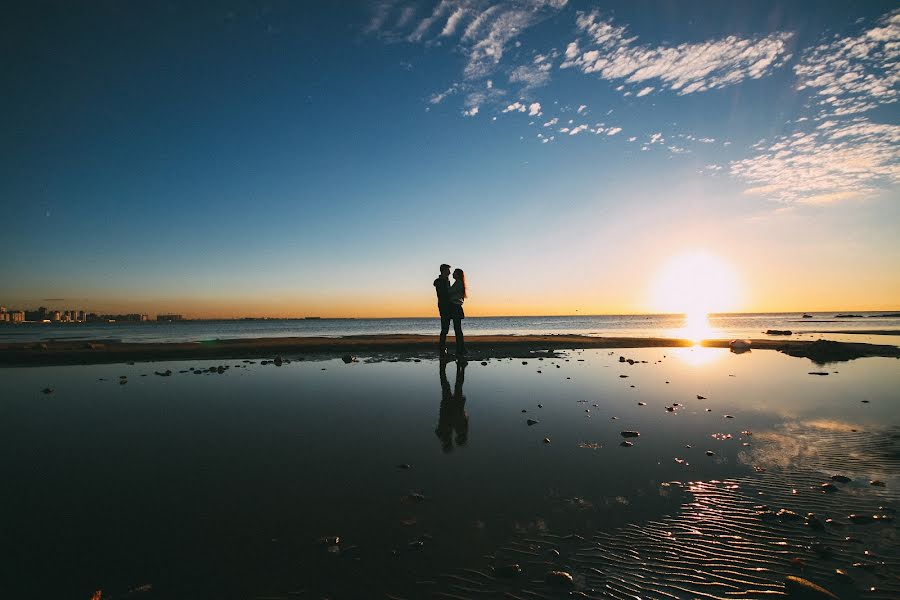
(222,485)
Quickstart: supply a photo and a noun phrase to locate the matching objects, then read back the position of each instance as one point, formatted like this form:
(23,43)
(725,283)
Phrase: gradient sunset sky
(323,158)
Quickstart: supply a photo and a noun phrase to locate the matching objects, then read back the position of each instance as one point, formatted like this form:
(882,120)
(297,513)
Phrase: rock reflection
(453,420)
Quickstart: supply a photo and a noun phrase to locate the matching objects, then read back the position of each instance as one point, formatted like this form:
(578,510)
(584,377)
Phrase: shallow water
(722,326)
(221,485)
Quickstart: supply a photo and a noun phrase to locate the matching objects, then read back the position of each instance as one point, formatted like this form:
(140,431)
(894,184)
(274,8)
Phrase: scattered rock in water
(416,496)
(699,397)
(546,440)
(558,578)
(623,376)
(818,373)
(877,483)
(787,514)
(864,401)
(166,373)
(779,332)
(512,570)
(813,521)
(348,358)
(626,444)
(642,404)
(621,359)
(483,364)
(708,410)
(524,362)
(524,411)
(829,488)
(404,466)
(710,453)
(861,519)
(123,381)
(841,478)
(670,409)
(278,361)
(630,434)
(47,390)
(681,461)
(540,406)
(531,422)
(614,418)
(842,575)
(729,416)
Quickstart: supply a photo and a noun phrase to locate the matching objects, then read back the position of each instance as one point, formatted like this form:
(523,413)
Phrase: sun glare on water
(695,284)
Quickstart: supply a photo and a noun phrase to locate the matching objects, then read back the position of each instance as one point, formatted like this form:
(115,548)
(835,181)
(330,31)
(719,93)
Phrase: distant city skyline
(322,159)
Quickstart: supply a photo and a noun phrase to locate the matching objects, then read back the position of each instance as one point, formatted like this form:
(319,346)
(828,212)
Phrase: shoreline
(399,346)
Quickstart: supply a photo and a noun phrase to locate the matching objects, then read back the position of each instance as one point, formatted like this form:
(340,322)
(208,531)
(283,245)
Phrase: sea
(840,326)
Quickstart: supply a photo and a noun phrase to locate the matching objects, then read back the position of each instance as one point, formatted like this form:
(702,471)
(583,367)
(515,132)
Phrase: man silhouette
(442,288)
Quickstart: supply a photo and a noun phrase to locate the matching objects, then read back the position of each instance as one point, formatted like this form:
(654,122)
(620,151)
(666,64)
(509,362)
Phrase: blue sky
(284,158)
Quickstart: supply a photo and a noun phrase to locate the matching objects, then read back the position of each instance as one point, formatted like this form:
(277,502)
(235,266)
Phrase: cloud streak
(606,50)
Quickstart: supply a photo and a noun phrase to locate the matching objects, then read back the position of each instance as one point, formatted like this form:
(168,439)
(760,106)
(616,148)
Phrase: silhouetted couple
(450,300)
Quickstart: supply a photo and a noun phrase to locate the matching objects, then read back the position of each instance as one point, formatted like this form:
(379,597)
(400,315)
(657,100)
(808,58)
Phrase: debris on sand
(558,578)
(797,587)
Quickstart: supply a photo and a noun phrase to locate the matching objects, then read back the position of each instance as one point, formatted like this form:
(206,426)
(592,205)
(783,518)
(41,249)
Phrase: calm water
(222,485)
(718,326)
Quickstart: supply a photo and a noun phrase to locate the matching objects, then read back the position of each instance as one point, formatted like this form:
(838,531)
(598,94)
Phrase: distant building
(55,316)
(4,316)
(81,316)
(17,316)
(169,318)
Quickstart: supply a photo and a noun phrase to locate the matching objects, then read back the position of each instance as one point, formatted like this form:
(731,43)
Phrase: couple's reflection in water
(453,421)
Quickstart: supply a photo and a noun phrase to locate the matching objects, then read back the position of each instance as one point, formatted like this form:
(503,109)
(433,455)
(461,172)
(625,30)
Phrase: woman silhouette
(457,297)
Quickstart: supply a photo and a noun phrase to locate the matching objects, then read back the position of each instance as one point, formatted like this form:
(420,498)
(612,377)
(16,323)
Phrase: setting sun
(695,283)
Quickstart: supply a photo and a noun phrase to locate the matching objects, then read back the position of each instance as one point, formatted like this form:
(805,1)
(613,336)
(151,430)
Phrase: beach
(61,352)
(544,466)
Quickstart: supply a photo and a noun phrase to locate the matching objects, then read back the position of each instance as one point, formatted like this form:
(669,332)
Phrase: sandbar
(74,352)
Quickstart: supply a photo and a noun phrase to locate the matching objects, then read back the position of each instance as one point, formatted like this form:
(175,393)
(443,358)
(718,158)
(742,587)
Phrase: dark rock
(779,332)
(623,376)
(278,361)
(877,483)
(787,514)
(699,397)
(629,434)
(710,453)
(841,478)
(47,390)
(546,440)
(829,488)
(404,466)
(531,422)
(626,444)
(818,373)
(347,358)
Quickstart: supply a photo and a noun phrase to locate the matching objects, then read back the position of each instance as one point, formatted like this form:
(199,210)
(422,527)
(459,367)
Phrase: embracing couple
(450,300)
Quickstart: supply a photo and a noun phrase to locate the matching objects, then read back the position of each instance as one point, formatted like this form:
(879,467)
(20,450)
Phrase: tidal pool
(236,484)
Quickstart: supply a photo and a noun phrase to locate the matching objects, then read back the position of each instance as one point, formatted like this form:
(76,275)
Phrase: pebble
(797,587)
(558,578)
(508,570)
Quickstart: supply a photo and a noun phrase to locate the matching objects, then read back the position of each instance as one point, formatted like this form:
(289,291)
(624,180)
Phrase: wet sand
(72,352)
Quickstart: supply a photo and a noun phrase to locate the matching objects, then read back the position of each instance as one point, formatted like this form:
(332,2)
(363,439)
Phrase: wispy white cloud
(515,107)
(534,109)
(552,122)
(471,112)
(840,162)
(614,131)
(834,155)
(854,74)
(609,52)
(577,130)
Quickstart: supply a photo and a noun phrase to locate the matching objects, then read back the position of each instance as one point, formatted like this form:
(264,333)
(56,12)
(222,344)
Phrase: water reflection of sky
(312,448)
